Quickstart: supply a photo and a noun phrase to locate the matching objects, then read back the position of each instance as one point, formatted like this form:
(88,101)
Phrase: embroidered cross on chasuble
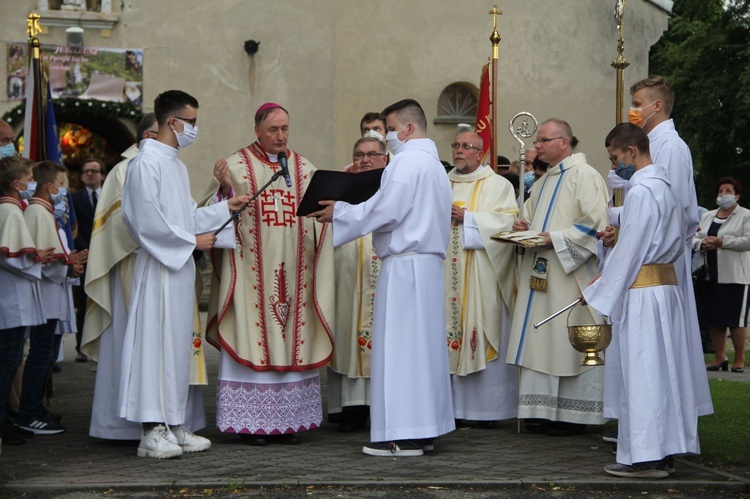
(271,303)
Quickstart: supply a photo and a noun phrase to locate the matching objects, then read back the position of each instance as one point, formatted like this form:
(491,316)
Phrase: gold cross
(494,13)
(32,25)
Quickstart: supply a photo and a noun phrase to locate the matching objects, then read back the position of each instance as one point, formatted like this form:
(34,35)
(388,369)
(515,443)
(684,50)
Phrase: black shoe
(351,427)
(254,440)
(724,366)
(738,369)
(648,469)
(285,439)
(41,425)
(56,368)
(427,444)
(10,434)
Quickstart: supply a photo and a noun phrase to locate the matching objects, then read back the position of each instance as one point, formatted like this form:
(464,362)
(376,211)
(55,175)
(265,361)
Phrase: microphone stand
(237,213)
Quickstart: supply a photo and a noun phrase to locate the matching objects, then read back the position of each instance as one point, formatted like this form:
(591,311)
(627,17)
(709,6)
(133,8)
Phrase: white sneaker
(189,441)
(157,444)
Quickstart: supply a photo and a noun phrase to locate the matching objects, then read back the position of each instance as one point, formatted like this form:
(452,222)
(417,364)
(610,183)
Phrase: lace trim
(573,405)
(269,409)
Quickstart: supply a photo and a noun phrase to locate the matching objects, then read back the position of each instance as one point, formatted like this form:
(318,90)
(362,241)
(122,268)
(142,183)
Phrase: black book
(353,188)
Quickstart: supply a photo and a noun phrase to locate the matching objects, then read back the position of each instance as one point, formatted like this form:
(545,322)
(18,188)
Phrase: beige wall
(330,61)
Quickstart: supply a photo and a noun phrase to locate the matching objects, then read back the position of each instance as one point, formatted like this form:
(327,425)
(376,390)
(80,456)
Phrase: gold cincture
(655,274)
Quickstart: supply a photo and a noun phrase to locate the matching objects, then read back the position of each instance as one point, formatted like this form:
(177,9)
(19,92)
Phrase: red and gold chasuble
(272,296)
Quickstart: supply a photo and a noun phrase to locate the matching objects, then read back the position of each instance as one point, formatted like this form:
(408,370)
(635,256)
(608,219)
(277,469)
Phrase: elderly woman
(724,241)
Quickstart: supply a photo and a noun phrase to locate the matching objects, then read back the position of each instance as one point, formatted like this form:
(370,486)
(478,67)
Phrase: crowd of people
(422,320)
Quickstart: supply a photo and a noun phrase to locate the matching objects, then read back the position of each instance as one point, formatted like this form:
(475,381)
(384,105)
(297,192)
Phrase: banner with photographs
(113,75)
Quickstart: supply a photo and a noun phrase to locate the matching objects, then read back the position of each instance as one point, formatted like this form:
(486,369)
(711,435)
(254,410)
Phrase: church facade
(331,61)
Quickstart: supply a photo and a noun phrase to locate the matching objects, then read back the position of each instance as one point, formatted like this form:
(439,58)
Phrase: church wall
(330,61)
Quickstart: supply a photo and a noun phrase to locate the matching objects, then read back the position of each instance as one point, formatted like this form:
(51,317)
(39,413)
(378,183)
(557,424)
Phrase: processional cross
(33,27)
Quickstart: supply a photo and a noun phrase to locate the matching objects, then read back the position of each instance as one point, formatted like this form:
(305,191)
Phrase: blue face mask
(528,179)
(7,150)
(61,207)
(60,196)
(625,171)
(29,191)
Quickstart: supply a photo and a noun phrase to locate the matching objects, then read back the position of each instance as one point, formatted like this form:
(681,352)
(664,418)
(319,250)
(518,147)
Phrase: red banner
(484,123)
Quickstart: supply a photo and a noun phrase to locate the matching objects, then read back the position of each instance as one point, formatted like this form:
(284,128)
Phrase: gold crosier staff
(620,63)
(33,28)
(495,39)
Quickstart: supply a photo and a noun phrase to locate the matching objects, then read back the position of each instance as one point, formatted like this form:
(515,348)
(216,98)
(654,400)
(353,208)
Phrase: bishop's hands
(324,215)
(607,236)
(221,173)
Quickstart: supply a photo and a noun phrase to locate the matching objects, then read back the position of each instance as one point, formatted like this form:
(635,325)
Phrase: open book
(525,238)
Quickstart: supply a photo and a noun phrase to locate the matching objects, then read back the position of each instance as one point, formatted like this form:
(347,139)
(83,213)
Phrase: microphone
(284,168)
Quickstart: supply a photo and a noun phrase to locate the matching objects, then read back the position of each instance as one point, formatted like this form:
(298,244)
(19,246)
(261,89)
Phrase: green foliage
(725,435)
(703,55)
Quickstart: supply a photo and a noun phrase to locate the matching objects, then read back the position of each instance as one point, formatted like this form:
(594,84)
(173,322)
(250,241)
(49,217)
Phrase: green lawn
(725,435)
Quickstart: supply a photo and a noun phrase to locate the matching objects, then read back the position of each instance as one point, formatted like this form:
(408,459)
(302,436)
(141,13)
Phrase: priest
(479,286)
(568,206)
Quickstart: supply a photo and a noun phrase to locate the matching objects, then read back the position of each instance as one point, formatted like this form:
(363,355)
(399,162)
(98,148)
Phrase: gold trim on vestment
(655,274)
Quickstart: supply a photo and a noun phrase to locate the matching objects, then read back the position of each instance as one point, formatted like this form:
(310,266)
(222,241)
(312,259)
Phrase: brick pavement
(469,457)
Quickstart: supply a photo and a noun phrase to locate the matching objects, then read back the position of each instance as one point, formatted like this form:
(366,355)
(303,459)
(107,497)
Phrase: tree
(704,57)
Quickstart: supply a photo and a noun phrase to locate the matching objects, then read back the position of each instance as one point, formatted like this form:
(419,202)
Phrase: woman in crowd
(724,241)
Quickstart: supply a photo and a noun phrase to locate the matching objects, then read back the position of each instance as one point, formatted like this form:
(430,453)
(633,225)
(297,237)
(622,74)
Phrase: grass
(725,435)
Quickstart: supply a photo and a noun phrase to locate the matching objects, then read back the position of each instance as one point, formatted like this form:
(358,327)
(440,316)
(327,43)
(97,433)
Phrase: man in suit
(93,172)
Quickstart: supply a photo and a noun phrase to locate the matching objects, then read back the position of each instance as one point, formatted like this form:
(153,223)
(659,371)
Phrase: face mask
(188,135)
(625,171)
(29,191)
(61,207)
(7,150)
(528,179)
(635,115)
(375,135)
(725,201)
(60,196)
(393,141)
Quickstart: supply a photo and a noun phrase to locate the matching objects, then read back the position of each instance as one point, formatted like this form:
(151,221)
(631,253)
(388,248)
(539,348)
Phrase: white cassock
(479,292)
(569,202)
(108,282)
(657,411)
(671,152)
(409,218)
(163,220)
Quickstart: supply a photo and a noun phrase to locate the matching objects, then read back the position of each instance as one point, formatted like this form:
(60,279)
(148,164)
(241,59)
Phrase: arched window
(457,104)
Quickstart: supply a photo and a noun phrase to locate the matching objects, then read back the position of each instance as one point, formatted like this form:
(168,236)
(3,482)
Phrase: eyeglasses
(191,121)
(370,155)
(544,141)
(465,146)
(613,159)
(90,172)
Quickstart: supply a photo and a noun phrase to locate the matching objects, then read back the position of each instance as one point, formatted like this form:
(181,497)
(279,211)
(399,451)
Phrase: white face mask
(29,191)
(393,141)
(725,201)
(375,135)
(60,196)
(188,135)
